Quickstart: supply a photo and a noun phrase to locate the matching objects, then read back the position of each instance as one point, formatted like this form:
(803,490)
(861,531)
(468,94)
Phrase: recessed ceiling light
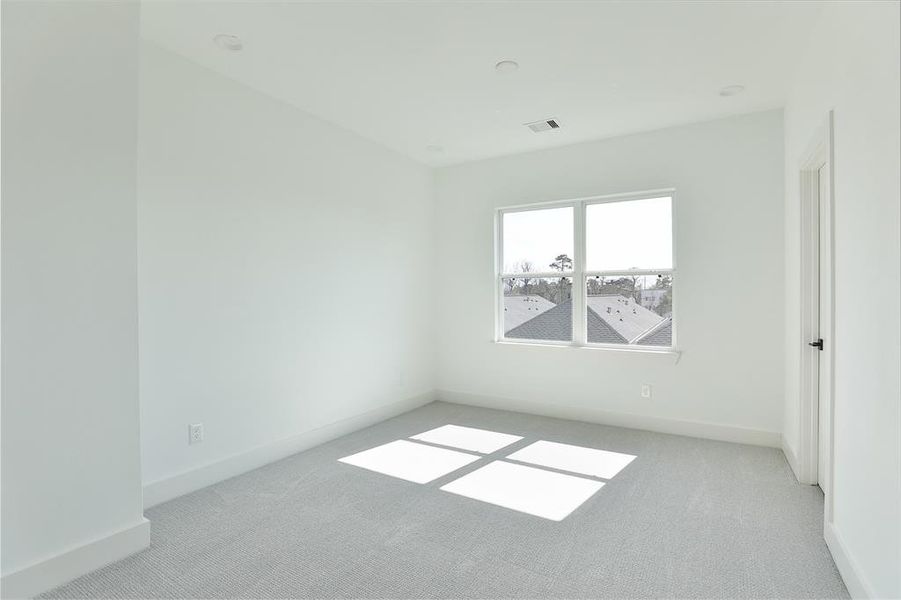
(506,66)
(434,149)
(231,43)
(732,90)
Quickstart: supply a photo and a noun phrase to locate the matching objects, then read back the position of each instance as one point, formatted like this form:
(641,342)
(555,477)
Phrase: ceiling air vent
(539,126)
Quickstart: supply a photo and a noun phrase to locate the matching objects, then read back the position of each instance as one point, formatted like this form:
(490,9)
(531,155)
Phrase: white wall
(729,284)
(71,466)
(853,68)
(282,269)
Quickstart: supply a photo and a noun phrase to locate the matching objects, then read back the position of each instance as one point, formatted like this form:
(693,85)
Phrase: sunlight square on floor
(468,438)
(410,461)
(576,459)
(525,489)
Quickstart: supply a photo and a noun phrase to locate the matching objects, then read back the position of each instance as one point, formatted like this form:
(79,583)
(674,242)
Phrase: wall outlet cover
(195,433)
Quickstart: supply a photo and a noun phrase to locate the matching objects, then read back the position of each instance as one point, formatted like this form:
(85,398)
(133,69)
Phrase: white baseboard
(854,580)
(712,431)
(791,458)
(162,490)
(70,564)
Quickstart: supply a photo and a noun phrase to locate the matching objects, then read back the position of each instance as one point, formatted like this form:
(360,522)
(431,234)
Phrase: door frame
(817,212)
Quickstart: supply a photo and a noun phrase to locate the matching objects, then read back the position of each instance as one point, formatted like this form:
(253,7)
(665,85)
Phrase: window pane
(630,310)
(633,234)
(538,240)
(538,308)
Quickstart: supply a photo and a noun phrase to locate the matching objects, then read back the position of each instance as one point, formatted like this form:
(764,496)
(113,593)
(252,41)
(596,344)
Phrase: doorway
(817,339)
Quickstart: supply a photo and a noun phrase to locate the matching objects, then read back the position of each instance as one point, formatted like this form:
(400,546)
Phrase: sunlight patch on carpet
(410,461)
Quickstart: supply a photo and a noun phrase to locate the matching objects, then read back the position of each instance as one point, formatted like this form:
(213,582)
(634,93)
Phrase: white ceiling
(410,75)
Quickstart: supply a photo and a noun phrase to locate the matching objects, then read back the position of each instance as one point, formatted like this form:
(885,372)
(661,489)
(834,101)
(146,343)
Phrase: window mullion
(538,274)
(499,278)
(629,272)
(579,290)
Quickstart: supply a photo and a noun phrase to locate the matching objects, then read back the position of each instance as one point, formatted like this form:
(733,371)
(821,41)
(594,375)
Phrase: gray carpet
(687,518)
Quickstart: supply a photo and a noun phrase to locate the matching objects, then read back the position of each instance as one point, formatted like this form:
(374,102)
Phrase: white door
(824,413)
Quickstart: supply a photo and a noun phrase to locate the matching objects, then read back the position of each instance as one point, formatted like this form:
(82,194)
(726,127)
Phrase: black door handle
(817,344)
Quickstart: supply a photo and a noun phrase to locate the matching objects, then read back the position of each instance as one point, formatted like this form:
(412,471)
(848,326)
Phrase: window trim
(578,273)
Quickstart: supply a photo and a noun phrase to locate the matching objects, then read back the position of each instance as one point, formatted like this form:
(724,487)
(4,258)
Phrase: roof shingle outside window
(612,319)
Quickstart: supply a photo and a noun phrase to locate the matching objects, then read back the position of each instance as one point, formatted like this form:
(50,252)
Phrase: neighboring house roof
(661,335)
(629,318)
(633,324)
(601,332)
(519,309)
(554,324)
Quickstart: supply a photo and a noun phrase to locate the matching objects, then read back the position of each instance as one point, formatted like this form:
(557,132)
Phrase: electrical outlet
(645,390)
(195,433)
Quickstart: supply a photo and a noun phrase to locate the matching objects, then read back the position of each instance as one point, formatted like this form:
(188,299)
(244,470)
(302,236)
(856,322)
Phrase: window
(596,272)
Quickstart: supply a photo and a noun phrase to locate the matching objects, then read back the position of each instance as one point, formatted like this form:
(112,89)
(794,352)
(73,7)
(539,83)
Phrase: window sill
(673,352)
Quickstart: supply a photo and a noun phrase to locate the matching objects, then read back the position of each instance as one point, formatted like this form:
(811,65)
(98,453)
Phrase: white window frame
(578,274)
